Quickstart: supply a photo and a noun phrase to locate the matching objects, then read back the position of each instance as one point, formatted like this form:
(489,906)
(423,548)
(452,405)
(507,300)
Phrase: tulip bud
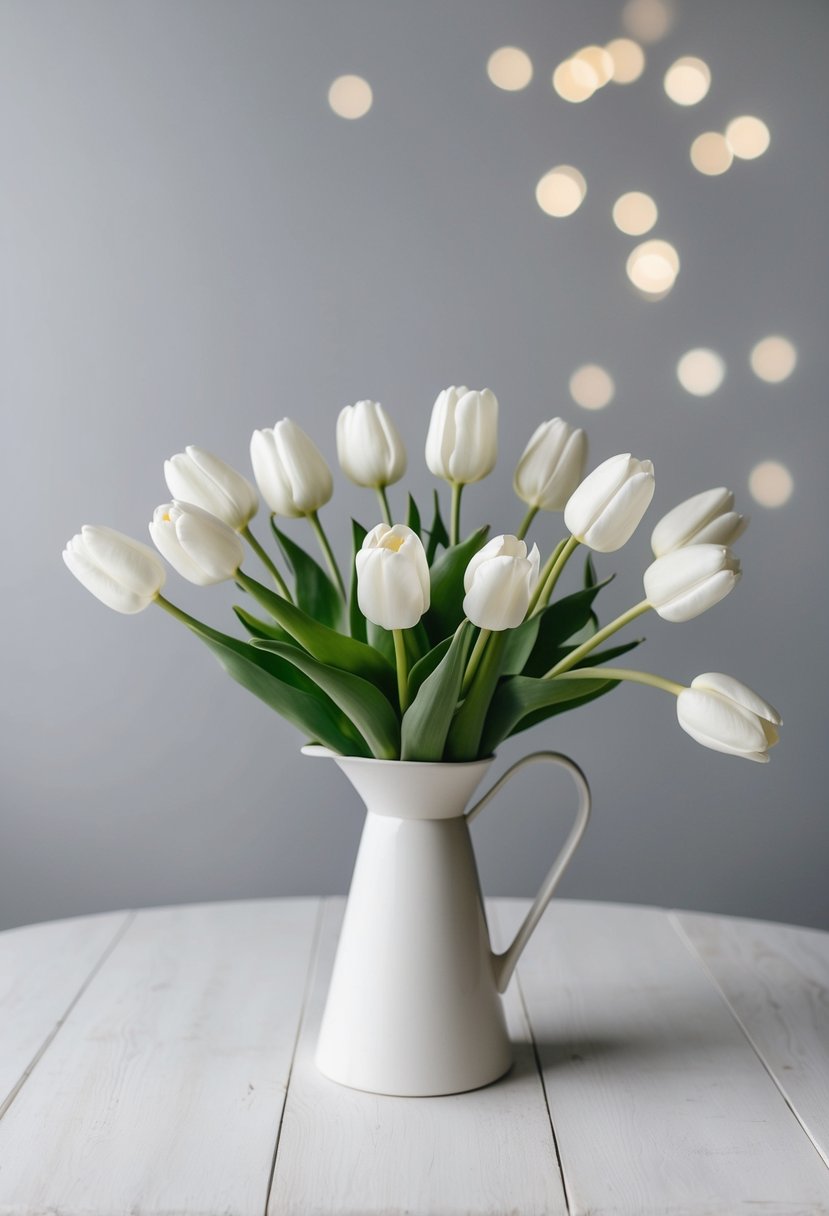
(369,447)
(706,519)
(290,470)
(392,577)
(552,465)
(684,583)
(202,548)
(605,510)
(462,443)
(721,713)
(121,572)
(206,481)
(499,582)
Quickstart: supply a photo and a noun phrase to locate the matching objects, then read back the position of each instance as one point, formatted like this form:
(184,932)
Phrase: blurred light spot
(592,387)
(634,213)
(747,136)
(510,68)
(350,96)
(647,20)
(574,80)
(687,81)
(598,60)
(561,191)
(773,359)
(771,484)
(710,154)
(701,371)
(628,60)
(653,267)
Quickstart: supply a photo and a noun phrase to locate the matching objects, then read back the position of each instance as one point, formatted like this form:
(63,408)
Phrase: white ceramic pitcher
(414,1004)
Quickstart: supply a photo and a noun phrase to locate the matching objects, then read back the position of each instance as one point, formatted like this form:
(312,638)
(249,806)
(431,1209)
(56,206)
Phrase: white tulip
(369,447)
(552,465)
(606,509)
(202,548)
(462,443)
(198,477)
(392,577)
(723,714)
(685,583)
(290,470)
(121,572)
(499,582)
(706,519)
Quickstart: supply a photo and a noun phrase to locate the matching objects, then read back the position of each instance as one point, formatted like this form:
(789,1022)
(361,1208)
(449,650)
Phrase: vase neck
(406,790)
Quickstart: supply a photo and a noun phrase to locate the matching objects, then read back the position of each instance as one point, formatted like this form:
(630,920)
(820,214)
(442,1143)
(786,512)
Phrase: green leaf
(425,666)
(559,622)
(599,657)
(413,516)
(465,734)
(590,579)
(519,645)
(314,591)
(427,720)
(438,535)
(521,701)
(381,640)
(446,611)
(356,620)
(362,702)
(261,629)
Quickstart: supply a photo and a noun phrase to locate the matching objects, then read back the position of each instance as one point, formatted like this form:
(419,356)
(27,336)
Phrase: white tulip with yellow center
(499,582)
(392,577)
(200,547)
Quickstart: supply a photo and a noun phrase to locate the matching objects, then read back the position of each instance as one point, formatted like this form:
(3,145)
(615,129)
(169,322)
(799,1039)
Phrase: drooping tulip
(462,443)
(369,447)
(723,714)
(206,481)
(123,574)
(202,548)
(290,470)
(708,518)
(392,577)
(682,584)
(606,509)
(499,582)
(551,466)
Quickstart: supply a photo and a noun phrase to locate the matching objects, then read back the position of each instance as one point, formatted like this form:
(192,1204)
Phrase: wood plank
(356,1154)
(775,979)
(658,1101)
(43,968)
(164,1090)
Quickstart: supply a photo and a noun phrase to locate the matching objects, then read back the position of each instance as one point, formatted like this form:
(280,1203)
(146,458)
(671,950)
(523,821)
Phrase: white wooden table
(161,1062)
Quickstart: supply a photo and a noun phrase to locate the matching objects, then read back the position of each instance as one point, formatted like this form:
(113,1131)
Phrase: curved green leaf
(314,591)
(446,610)
(558,623)
(438,536)
(465,740)
(356,620)
(425,666)
(521,701)
(413,517)
(427,720)
(261,629)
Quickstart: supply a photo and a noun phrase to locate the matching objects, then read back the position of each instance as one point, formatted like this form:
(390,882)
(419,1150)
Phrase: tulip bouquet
(439,644)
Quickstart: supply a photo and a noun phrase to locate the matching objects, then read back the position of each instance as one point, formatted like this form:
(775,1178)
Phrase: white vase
(414,1005)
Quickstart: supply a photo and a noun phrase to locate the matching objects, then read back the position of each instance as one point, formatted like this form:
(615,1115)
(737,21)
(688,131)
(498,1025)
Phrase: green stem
(402,664)
(314,521)
(626,673)
(384,504)
(474,659)
(544,575)
(576,656)
(178,613)
(455,523)
(266,561)
(525,524)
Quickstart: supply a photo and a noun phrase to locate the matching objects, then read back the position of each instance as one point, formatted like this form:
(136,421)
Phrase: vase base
(390,1089)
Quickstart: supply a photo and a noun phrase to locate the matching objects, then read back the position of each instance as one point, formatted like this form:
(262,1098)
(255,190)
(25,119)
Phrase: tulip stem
(576,656)
(525,525)
(455,523)
(384,504)
(474,660)
(314,521)
(267,563)
(543,576)
(178,613)
(626,673)
(551,573)
(402,664)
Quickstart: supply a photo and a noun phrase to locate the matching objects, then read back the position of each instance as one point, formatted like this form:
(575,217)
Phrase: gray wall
(194,245)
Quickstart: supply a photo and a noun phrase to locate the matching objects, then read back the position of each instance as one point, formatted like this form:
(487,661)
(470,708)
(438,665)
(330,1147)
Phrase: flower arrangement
(442,644)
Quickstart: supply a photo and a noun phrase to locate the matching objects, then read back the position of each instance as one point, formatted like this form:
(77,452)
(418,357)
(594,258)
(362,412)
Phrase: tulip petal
(132,565)
(102,585)
(721,725)
(727,686)
(620,518)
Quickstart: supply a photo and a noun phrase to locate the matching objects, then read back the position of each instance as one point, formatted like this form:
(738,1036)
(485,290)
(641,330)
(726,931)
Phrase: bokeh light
(747,136)
(710,154)
(652,267)
(634,213)
(350,96)
(592,387)
(599,60)
(773,358)
(575,80)
(687,80)
(561,191)
(628,60)
(770,484)
(648,20)
(701,371)
(510,68)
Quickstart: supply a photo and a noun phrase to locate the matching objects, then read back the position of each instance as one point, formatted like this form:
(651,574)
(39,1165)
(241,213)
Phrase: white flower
(708,518)
(392,577)
(552,465)
(290,470)
(121,572)
(685,583)
(499,582)
(369,447)
(723,714)
(605,510)
(199,546)
(462,443)
(198,477)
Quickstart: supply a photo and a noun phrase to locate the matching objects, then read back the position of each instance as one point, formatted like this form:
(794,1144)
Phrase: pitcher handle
(504,964)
